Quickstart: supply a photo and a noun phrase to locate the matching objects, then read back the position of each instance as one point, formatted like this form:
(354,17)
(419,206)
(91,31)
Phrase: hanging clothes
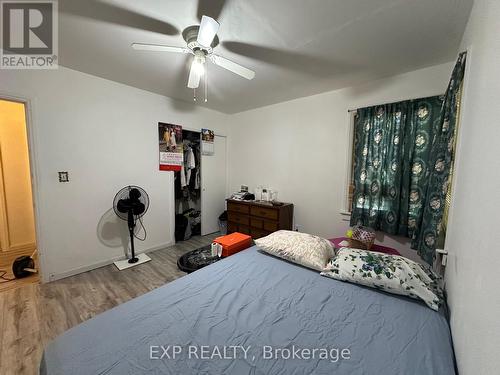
(198,180)
(183,177)
(194,182)
(188,182)
(189,164)
(191,161)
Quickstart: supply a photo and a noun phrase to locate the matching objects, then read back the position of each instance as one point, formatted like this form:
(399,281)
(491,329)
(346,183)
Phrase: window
(401,166)
(392,155)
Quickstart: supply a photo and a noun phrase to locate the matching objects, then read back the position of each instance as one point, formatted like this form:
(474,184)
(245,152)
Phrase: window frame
(346,204)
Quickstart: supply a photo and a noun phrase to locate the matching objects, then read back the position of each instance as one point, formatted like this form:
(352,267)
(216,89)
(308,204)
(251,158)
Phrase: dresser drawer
(266,213)
(256,223)
(244,229)
(257,219)
(258,233)
(238,207)
(232,227)
(271,226)
(238,218)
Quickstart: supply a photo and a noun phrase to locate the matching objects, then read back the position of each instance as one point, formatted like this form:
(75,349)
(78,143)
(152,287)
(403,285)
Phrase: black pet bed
(196,259)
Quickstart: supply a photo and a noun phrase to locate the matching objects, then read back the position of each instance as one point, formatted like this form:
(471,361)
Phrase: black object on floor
(23,266)
(181,223)
(196,259)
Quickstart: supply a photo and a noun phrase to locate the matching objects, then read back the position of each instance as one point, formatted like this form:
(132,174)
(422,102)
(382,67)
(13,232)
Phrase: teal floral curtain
(392,147)
(441,157)
(402,157)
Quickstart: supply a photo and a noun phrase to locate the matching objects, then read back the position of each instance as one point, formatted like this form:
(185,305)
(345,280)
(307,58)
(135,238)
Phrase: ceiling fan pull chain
(206,83)
(194,94)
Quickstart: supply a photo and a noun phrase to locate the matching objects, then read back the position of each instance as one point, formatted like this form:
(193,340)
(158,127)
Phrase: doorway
(200,194)
(17,219)
(187,185)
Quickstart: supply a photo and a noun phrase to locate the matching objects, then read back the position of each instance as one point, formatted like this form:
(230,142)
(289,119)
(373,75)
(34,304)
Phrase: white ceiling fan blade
(194,76)
(232,66)
(159,48)
(208,30)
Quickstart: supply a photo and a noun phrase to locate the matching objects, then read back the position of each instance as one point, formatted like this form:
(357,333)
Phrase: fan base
(124,264)
(190,35)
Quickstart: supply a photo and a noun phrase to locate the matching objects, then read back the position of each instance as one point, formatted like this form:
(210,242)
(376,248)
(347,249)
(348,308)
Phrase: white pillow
(301,248)
(391,273)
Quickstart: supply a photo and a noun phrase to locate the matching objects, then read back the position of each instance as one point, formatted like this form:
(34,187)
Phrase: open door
(213,186)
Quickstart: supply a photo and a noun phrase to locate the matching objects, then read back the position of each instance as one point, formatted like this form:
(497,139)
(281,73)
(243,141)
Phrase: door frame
(226,176)
(34,168)
(172,198)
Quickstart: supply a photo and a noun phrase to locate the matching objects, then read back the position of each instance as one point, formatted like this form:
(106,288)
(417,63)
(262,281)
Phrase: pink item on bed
(338,243)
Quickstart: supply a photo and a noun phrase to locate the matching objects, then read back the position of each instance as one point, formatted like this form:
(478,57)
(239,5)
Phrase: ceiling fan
(201,41)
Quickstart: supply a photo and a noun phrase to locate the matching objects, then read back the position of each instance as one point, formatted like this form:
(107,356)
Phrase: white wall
(105,134)
(472,274)
(300,147)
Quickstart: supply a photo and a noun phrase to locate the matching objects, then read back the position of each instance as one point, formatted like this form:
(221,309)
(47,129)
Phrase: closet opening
(188,189)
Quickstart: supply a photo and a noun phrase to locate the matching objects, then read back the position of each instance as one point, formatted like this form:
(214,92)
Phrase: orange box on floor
(233,243)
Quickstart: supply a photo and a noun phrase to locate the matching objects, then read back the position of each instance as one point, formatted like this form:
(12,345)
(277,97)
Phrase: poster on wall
(207,142)
(171,153)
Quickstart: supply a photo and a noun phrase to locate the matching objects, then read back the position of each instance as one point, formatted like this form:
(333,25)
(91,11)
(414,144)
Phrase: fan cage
(124,194)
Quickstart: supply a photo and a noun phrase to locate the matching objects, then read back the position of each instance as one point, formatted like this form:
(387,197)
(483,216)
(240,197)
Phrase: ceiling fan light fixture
(198,67)
(199,63)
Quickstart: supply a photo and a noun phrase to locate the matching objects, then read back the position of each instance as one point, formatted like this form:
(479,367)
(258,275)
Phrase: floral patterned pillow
(391,273)
(301,248)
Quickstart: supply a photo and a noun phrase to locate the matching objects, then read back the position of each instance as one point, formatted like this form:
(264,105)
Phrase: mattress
(252,313)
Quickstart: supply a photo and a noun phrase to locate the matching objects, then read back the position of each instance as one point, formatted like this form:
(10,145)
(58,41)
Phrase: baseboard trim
(76,271)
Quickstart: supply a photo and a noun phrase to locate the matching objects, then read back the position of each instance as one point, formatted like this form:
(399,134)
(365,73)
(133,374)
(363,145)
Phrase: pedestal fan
(130,204)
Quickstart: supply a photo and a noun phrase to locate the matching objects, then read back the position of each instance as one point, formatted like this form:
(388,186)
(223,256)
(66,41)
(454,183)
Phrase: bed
(265,305)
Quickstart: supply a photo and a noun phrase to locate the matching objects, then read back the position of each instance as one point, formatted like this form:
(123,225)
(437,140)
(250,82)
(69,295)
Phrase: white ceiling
(296,47)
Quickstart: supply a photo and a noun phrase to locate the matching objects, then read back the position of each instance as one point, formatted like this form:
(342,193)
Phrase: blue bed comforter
(255,314)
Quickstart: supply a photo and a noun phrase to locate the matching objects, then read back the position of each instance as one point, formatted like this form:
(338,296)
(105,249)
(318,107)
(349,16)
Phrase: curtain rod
(397,101)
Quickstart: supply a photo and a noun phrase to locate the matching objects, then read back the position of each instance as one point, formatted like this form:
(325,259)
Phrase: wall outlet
(63,176)
(297,228)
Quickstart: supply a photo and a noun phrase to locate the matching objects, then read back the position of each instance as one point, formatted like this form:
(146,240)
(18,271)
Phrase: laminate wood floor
(33,315)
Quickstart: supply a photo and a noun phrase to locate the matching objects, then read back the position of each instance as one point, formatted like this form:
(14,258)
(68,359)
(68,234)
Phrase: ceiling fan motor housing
(190,35)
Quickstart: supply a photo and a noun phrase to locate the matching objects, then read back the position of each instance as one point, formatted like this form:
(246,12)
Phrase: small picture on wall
(171,150)
(207,141)
(207,135)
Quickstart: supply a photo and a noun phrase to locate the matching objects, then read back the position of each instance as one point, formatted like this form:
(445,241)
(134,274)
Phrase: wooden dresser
(258,219)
